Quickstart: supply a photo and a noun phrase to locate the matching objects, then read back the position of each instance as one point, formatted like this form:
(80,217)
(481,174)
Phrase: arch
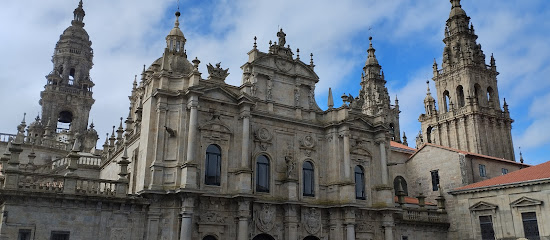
(446,100)
(429,134)
(308,179)
(262,173)
(392,131)
(311,238)
(65,117)
(490,95)
(263,236)
(403,185)
(209,237)
(213,165)
(460,96)
(359,183)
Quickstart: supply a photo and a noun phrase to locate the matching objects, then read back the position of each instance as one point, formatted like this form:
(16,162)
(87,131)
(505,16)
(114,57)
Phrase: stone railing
(86,161)
(50,183)
(5,137)
(419,215)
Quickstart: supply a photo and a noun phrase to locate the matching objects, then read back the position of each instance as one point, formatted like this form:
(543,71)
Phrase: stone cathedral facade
(197,158)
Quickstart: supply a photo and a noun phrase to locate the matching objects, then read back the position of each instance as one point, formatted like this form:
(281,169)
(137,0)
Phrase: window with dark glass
(482,171)
(504,171)
(359,183)
(24,234)
(396,181)
(59,235)
(213,165)
(530,225)
(308,181)
(262,174)
(486,225)
(435,180)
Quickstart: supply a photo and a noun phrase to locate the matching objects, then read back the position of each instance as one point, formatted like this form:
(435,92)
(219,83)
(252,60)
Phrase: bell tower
(469,116)
(67,97)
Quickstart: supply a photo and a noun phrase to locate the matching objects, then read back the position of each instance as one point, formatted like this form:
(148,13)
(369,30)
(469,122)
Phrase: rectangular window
(435,180)
(59,235)
(504,171)
(530,225)
(482,171)
(486,225)
(404,238)
(24,234)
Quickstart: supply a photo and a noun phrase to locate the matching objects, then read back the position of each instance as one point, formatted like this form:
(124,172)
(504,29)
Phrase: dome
(176,32)
(75,31)
(456,9)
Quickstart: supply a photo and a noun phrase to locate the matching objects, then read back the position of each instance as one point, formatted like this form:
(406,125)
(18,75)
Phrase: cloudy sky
(127,34)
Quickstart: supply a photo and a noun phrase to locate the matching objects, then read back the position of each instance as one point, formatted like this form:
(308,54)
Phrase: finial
(134,84)
(297,54)
(311,60)
(196,63)
(177,23)
(143,67)
(24,115)
(330,99)
(520,155)
(370,41)
(92,125)
(455,3)
(270,43)
(255,45)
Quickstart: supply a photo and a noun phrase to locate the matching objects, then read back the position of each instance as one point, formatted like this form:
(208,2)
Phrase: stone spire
(67,95)
(330,99)
(466,90)
(78,15)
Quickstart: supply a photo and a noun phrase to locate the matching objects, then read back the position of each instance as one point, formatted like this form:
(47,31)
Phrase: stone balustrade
(51,183)
(85,161)
(423,215)
(5,137)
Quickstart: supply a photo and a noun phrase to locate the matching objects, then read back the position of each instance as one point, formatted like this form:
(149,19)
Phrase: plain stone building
(197,158)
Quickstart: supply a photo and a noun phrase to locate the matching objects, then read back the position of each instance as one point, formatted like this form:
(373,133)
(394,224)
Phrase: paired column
(245,115)
(192,104)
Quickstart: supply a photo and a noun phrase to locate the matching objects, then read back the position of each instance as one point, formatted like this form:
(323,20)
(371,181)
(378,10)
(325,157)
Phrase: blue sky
(407,36)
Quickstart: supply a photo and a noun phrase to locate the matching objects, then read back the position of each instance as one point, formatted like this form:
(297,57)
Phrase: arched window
(308,179)
(396,181)
(359,183)
(209,237)
(262,174)
(460,96)
(213,165)
(446,101)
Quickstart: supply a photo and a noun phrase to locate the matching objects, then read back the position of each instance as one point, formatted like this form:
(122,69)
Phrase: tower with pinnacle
(67,96)
(469,116)
(374,94)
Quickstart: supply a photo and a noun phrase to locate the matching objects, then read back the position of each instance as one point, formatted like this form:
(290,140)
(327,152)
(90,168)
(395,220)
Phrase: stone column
(193,127)
(350,235)
(291,222)
(347,157)
(188,171)
(186,228)
(350,224)
(244,213)
(388,226)
(383,162)
(245,115)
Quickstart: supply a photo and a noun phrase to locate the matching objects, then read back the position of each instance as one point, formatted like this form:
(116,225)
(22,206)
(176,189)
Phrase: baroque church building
(197,158)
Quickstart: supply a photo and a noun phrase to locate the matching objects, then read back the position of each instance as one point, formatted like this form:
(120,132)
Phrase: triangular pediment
(482,206)
(525,201)
(221,94)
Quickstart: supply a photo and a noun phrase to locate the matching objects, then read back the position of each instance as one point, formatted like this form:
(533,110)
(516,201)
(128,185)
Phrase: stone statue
(281,35)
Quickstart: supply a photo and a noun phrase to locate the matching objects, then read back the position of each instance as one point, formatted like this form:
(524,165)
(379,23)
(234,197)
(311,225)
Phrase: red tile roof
(470,154)
(402,147)
(538,172)
(411,200)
